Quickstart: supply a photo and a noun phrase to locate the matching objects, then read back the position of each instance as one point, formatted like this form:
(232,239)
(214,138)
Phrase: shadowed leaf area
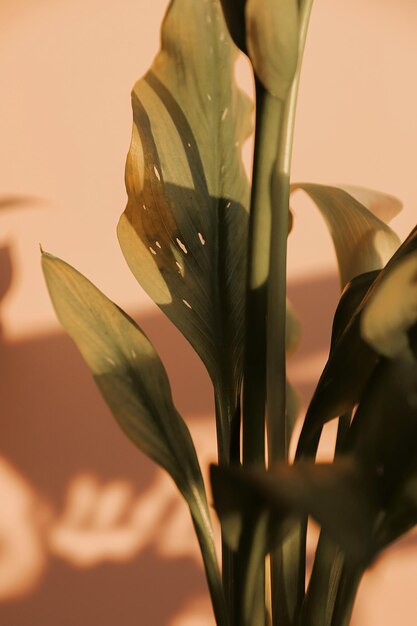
(352,359)
(338,496)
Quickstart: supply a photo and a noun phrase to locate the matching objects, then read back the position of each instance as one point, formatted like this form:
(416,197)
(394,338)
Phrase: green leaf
(384,429)
(363,242)
(349,303)
(272,41)
(336,495)
(383,438)
(135,386)
(391,310)
(382,205)
(184,230)
(348,368)
(352,360)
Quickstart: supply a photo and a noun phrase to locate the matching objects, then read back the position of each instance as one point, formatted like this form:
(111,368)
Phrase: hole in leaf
(182,246)
(157,174)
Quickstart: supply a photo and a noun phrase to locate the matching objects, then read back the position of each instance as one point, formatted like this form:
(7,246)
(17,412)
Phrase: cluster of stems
(264,383)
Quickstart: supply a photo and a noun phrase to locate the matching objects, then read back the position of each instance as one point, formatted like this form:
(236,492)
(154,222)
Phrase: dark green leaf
(383,435)
(401,515)
(352,360)
(349,366)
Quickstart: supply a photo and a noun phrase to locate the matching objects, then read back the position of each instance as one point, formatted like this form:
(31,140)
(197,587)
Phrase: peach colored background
(90,531)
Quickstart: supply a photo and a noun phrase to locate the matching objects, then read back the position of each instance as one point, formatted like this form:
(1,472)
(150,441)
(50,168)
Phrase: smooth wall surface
(90,531)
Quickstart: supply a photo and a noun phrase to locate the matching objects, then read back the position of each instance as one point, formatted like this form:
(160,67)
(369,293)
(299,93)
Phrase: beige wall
(93,532)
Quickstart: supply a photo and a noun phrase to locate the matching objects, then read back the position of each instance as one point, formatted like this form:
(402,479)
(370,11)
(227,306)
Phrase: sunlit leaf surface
(392,310)
(183,232)
(363,242)
(272,33)
(134,384)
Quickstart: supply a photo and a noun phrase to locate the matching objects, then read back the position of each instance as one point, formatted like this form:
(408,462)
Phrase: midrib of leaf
(221,310)
(227,386)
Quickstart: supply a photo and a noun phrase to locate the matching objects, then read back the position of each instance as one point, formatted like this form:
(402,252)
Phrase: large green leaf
(184,229)
(363,242)
(134,384)
(336,495)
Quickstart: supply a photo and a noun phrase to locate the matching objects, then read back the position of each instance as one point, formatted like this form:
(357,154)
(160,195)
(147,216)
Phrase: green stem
(345,598)
(268,121)
(268,115)
(251,553)
(228,412)
(283,566)
(277,288)
(276,365)
(319,601)
(203,529)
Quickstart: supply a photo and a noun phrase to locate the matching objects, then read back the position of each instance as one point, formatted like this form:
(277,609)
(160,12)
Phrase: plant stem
(283,566)
(268,116)
(325,577)
(202,525)
(277,288)
(268,121)
(228,411)
(348,586)
(276,322)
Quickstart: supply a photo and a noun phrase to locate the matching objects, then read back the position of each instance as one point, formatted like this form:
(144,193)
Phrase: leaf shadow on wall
(55,428)
(93,545)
